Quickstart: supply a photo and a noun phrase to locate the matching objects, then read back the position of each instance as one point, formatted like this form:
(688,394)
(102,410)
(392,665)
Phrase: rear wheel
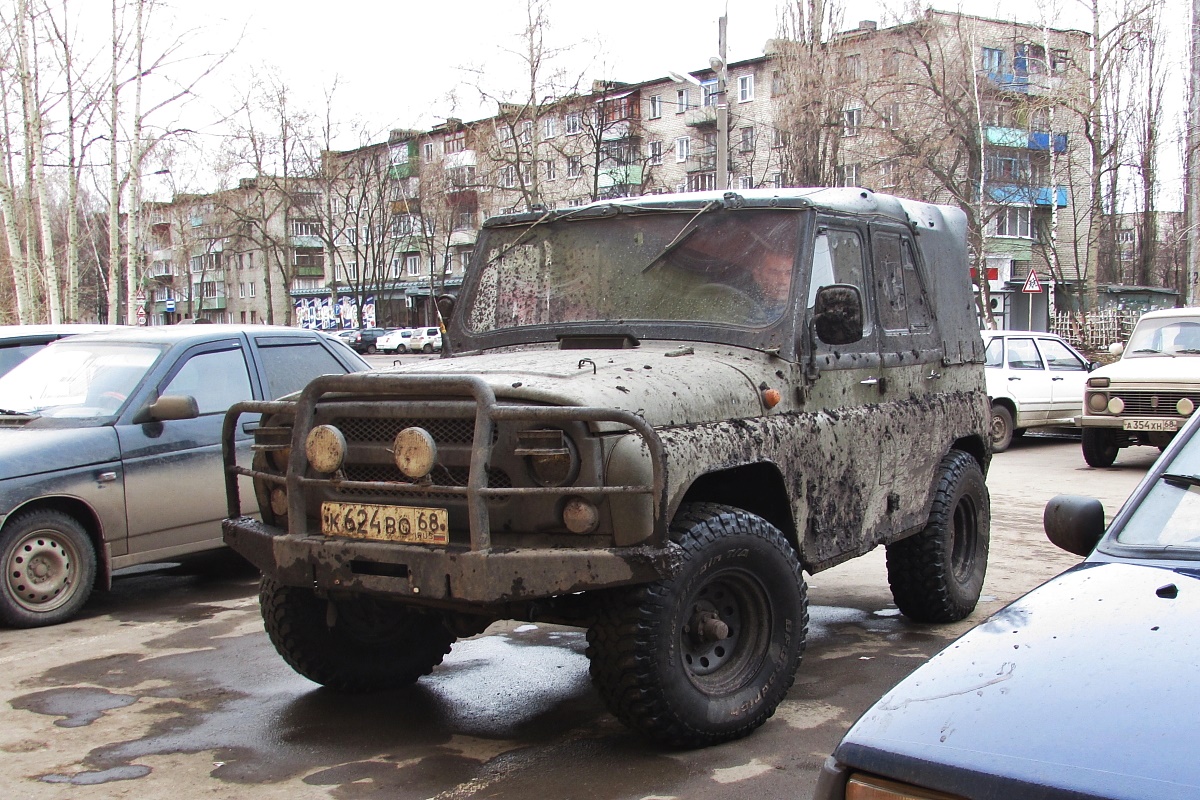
(1099,447)
(1001,428)
(50,568)
(428,348)
(707,655)
(937,575)
(352,644)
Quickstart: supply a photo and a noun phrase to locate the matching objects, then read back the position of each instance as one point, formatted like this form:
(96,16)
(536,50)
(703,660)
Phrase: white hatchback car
(396,341)
(1034,380)
(426,340)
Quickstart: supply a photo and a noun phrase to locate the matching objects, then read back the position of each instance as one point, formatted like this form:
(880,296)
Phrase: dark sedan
(19,342)
(1082,688)
(110,450)
(363,339)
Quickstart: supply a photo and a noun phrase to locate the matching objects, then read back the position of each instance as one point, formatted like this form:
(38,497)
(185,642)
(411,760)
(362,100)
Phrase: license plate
(1151,425)
(385,523)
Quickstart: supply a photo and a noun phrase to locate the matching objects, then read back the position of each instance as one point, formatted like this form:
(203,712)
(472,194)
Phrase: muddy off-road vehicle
(650,416)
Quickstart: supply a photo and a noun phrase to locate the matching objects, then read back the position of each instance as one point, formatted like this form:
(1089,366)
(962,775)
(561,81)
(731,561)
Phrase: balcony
(1023,84)
(698,117)
(1028,140)
(306,241)
(702,159)
(399,172)
(310,272)
(615,131)
(1012,195)
(623,175)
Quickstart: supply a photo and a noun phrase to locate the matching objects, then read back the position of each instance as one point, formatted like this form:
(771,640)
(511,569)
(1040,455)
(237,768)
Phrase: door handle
(1013,378)
(1057,378)
(870,382)
(933,375)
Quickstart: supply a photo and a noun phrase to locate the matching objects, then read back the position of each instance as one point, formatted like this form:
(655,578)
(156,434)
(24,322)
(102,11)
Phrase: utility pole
(1192,192)
(722,66)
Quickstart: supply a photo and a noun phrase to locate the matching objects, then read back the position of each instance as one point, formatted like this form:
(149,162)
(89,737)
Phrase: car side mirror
(1074,523)
(838,314)
(1093,366)
(169,407)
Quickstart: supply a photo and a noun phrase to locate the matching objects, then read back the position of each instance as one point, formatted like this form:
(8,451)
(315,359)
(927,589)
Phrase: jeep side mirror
(1074,523)
(169,407)
(838,314)
(445,305)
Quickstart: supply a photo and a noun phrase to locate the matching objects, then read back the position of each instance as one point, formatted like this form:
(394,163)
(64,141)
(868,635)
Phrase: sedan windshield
(706,265)
(1169,516)
(1169,335)
(74,379)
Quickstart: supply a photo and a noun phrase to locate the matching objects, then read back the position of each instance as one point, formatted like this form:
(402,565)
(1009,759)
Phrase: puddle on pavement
(77,706)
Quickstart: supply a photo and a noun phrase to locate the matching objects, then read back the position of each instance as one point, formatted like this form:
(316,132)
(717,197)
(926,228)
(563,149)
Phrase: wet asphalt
(167,687)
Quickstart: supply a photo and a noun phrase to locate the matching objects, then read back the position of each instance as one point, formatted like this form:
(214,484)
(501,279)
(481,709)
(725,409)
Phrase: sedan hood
(668,384)
(32,450)
(1085,687)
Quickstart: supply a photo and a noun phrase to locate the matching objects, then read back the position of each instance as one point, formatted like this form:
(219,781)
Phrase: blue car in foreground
(1084,688)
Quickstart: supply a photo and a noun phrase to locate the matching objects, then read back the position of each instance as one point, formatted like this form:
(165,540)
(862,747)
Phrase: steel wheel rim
(998,428)
(41,571)
(965,525)
(723,665)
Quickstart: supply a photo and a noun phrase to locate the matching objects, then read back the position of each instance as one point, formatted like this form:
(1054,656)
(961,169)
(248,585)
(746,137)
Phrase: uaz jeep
(650,416)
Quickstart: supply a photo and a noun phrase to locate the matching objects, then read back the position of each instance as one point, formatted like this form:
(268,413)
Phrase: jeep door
(844,500)
(174,478)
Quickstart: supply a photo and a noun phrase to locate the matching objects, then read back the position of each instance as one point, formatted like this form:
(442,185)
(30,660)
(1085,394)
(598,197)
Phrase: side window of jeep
(839,257)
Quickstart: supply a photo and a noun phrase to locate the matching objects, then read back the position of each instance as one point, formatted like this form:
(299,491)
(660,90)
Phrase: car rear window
(289,368)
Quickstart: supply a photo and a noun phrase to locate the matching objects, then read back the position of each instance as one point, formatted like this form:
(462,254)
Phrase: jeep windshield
(705,265)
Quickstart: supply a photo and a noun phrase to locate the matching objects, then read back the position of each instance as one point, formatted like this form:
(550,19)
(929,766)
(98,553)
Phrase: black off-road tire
(937,574)
(1099,447)
(50,568)
(705,656)
(352,645)
(1001,428)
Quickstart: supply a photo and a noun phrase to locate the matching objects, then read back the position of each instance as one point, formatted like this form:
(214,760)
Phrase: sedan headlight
(868,787)
(1097,402)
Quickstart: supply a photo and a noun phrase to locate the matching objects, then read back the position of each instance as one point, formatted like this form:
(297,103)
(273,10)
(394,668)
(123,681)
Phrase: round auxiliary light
(1116,405)
(580,516)
(415,452)
(1097,403)
(280,458)
(1185,406)
(325,448)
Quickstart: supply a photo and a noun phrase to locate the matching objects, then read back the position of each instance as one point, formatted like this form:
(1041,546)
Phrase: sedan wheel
(50,567)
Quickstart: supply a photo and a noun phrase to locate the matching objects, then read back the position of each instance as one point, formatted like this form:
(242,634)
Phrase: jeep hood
(667,383)
(33,451)
(1152,369)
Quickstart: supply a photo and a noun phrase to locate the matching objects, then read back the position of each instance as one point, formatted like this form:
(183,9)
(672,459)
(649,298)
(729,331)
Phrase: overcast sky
(410,64)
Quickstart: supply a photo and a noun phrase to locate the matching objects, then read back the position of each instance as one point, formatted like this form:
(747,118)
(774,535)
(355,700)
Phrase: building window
(508,176)
(412,264)
(889,116)
(526,134)
(992,60)
(778,83)
(745,88)
(780,138)
(249,288)
(778,181)
(847,175)
(574,166)
(1013,222)
(308,257)
(549,127)
(574,122)
(708,90)
(682,101)
(1008,167)
(456,142)
(398,153)
(656,151)
(306,227)
(242,291)
(1039,120)
(889,172)
(747,140)
(548,170)
(851,121)
(655,106)
(891,62)
(429,150)
(745,182)
(851,68)
(464,220)
(702,182)
(683,148)
(1059,61)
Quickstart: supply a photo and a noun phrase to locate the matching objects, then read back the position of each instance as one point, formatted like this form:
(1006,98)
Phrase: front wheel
(1099,447)
(937,575)
(352,644)
(705,656)
(428,348)
(50,567)
(1002,428)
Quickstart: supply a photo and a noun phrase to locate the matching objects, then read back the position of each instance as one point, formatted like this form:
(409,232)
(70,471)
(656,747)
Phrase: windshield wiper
(1155,352)
(684,232)
(5,412)
(1181,480)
